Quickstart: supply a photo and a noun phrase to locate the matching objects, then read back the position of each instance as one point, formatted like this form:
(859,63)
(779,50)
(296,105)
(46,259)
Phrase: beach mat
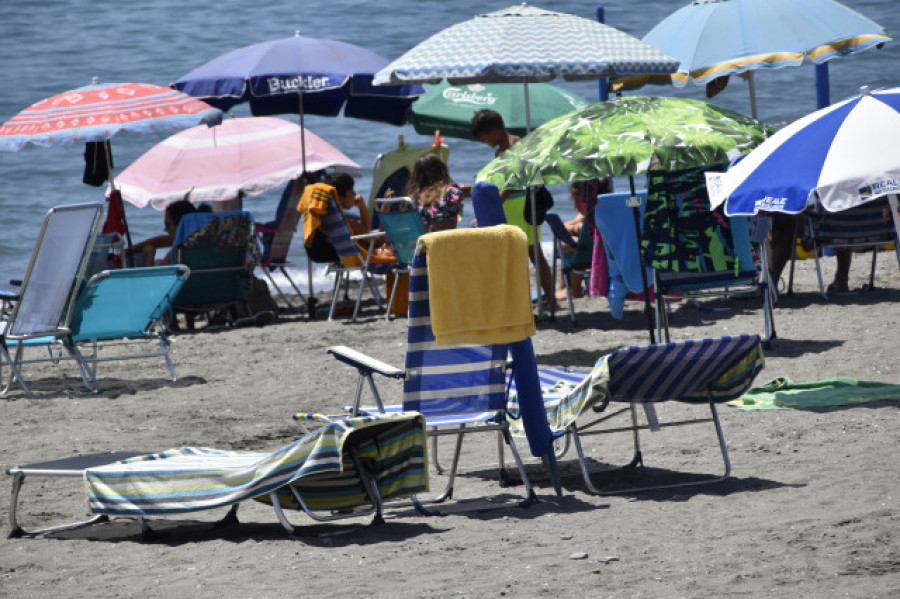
(782,393)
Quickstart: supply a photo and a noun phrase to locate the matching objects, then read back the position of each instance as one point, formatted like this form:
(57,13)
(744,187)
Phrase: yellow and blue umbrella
(716,38)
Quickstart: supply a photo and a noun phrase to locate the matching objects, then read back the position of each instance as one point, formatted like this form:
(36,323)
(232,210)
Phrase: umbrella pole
(636,212)
(752,86)
(536,247)
(302,131)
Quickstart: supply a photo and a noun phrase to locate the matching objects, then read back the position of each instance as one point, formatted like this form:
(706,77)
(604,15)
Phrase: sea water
(50,46)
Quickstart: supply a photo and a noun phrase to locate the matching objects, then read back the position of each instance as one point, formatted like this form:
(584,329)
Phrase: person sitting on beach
(318,248)
(437,197)
(580,228)
(782,239)
(145,251)
(488,127)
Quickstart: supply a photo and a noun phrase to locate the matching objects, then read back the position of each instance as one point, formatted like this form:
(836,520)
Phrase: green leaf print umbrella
(622,137)
(625,136)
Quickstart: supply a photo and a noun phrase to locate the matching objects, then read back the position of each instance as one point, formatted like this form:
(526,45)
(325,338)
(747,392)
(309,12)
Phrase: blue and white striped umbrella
(846,154)
(525,43)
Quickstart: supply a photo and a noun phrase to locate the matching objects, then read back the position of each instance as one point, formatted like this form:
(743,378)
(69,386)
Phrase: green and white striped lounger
(343,465)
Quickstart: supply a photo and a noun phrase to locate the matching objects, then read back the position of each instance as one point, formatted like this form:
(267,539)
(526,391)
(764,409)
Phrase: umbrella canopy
(240,156)
(450,108)
(275,76)
(625,136)
(524,43)
(98,111)
(845,154)
(713,38)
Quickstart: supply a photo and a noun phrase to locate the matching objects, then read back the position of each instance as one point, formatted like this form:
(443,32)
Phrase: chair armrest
(365,364)
(365,236)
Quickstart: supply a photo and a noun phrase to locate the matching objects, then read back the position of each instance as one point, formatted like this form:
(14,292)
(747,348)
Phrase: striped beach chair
(329,473)
(699,371)
(869,226)
(353,259)
(460,389)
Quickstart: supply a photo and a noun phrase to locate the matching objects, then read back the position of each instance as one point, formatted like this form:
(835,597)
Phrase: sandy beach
(810,511)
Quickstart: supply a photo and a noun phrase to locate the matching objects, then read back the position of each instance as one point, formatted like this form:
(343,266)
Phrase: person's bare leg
(546,274)
(783,236)
(841,281)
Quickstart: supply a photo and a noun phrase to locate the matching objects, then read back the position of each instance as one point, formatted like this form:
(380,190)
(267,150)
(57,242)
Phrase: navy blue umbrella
(301,75)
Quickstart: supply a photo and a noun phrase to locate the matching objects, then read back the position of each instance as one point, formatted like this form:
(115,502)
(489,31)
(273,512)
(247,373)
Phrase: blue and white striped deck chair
(50,284)
(352,258)
(869,226)
(346,468)
(709,371)
(459,388)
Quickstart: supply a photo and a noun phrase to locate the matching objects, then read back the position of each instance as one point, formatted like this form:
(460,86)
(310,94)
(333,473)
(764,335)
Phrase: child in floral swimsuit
(439,199)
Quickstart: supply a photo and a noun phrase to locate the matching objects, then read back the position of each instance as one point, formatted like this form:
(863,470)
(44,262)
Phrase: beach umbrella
(449,108)
(525,44)
(622,137)
(96,112)
(300,75)
(716,38)
(242,156)
(844,155)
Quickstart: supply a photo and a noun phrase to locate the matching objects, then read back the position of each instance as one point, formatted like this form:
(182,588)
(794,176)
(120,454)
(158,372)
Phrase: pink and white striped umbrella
(241,156)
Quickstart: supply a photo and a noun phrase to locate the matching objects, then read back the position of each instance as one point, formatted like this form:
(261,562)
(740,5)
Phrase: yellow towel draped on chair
(473,304)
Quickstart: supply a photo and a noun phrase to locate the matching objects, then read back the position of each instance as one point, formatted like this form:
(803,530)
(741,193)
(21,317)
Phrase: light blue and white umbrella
(845,154)
(714,38)
(525,43)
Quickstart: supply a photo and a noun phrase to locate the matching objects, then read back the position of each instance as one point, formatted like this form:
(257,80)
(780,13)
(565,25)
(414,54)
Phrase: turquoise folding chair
(119,308)
(42,307)
(218,247)
(400,219)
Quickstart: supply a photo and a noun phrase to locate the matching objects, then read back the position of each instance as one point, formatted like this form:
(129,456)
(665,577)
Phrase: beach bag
(544,203)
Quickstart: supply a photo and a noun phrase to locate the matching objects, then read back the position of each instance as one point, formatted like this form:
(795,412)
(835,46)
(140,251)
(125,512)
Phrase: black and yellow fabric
(681,233)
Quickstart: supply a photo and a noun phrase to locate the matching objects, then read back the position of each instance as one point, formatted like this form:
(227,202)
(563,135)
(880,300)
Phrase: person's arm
(160,241)
(363,212)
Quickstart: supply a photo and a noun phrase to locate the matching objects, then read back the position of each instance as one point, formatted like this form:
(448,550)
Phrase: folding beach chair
(116,309)
(353,258)
(51,282)
(697,252)
(219,249)
(869,226)
(275,240)
(400,219)
(328,473)
(392,169)
(459,386)
(696,371)
(561,240)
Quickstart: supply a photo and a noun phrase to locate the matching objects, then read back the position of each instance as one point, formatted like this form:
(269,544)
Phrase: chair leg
(14,374)
(638,460)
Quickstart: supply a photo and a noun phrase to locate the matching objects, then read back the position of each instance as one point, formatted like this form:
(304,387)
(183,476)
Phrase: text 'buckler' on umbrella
(240,156)
(300,75)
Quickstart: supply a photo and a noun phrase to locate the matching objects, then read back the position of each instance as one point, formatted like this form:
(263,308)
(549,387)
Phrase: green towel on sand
(783,393)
